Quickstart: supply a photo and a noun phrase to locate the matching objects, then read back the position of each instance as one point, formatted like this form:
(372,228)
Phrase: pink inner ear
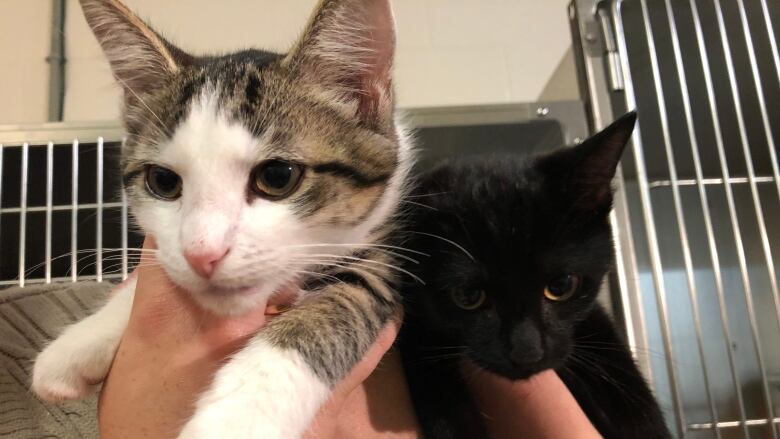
(379,22)
(376,81)
(350,48)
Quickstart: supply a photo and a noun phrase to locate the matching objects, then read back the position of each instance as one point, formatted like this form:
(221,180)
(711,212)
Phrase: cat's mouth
(518,370)
(521,371)
(507,369)
(235,291)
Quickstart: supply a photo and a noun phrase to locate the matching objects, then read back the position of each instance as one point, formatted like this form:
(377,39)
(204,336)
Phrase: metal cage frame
(608,60)
(49,136)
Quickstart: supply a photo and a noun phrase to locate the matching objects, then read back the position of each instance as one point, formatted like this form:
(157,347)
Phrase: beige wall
(451,52)
(24,44)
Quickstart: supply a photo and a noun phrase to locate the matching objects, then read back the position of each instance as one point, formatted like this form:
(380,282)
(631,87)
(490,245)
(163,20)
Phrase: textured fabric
(29,318)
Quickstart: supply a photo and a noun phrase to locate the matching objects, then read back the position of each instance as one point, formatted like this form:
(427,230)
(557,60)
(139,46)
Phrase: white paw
(74,364)
(216,423)
(262,392)
(70,368)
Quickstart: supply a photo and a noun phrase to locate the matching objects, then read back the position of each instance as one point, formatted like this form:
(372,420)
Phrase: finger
(149,243)
(347,394)
(149,265)
(370,361)
(130,278)
(161,305)
(149,261)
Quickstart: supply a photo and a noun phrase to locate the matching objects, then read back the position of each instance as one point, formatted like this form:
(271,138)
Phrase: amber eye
(468,299)
(562,288)
(163,183)
(276,179)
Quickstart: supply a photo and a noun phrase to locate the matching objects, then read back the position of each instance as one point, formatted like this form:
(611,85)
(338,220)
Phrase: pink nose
(204,263)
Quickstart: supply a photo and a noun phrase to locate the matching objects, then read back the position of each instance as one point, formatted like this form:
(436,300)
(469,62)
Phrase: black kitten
(518,251)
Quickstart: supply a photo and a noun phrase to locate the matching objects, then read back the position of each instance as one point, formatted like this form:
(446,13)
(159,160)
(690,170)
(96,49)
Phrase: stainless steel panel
(702,196)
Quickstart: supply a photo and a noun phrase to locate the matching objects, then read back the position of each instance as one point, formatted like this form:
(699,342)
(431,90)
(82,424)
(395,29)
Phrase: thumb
(370,361)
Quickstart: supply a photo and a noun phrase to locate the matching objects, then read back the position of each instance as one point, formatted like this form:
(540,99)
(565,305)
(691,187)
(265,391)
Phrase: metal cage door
(698,208)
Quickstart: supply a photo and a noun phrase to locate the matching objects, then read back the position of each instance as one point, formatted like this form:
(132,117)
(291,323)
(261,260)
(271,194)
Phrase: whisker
(335,264)
(162,124)
(346,266)
(438,358)
(425,206)
(356,259)
(392,247)
(427,195)
(68,254)
(466,252)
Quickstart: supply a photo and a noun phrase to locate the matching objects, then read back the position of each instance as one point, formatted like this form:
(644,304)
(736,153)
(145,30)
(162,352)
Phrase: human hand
(172,348)
(539,407)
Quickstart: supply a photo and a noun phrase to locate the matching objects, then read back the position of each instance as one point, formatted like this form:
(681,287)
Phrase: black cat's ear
(140,59)
(348,48)
(587,169)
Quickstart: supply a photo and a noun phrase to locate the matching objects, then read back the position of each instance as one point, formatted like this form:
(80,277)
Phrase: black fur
(521,224)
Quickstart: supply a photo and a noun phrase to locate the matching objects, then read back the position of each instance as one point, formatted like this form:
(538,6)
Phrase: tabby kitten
(518,250)
(257,172)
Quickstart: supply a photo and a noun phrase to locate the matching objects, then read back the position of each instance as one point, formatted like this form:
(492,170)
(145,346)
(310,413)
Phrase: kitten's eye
(163,183)
(276,179)
(469,299)
(562,288)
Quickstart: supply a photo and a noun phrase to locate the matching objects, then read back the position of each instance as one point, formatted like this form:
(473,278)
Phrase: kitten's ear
(140,59)
(348,47)
(587,169)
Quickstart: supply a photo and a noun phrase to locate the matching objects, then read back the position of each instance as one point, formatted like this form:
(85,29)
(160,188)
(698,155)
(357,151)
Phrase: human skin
(172,348)
(538,407)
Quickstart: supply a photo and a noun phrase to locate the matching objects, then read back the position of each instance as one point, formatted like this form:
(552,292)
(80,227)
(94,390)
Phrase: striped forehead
(206,136)
(235,114)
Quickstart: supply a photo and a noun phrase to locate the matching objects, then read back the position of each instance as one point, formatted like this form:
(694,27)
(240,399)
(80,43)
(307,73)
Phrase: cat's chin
(229,304)
(238,301)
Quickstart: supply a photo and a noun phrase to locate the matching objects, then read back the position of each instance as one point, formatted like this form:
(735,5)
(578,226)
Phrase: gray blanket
(29,318)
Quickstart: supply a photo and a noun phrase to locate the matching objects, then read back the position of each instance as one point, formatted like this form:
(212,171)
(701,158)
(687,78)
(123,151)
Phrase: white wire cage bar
(698,193)
(60,228)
